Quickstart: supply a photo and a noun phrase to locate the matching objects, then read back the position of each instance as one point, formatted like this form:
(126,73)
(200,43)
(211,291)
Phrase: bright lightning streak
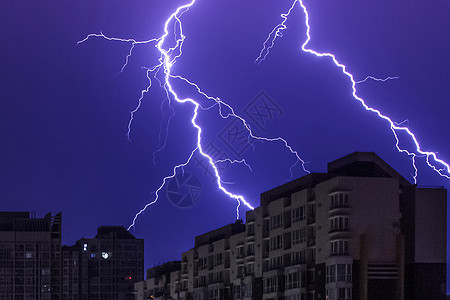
(378,79)
(161,187)
(235,161)
(167,63)
(232,113)
(168,57)
(276,32)
(132,41)
(431,157)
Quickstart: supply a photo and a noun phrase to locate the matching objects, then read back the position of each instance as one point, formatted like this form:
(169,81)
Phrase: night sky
(65,108)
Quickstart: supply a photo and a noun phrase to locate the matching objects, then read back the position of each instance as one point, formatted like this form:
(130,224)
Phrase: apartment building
(34,266)
(360,231)
(159,281)
(110,264)
(30,256)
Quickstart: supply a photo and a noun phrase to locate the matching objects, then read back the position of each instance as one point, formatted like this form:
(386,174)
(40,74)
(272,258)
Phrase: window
(339,272)
(247,290)
(218,259)
(292,280)
(276,242)
(339,224)
(214,294)
(298,214)
(202,281)
(250,268)
(45,272)
(339,247)
(240,251)
(250,229)
(276,221)
(339,200)
(217,277)
(198,296)
(298,236)
(276,262)
(202,263)
(270,284)
(298,257)
(237,292)
(250,249)
(240,270)
(331,273)
(344,294)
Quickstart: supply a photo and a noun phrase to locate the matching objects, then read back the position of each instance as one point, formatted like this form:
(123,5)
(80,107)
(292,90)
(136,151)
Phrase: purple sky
(64,109)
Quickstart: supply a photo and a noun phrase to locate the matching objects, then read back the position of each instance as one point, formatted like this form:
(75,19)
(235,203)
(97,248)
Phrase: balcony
(342,253)
(311,220)
(339,232)
(339,209)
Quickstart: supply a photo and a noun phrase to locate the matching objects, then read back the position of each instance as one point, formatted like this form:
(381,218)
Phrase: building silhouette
(30,256)
(158,281)
(33,265)
(110,264)
(360,231)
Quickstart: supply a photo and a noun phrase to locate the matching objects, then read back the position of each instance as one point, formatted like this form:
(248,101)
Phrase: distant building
(34,266)
(30,256)
(360,231)
(110,264)
(70,273)
(158,283)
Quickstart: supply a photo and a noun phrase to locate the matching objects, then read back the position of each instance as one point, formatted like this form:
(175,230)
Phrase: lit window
(105,255)
(85,247)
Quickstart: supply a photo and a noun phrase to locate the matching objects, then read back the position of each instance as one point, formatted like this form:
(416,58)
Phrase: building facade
(360,231)
(34,266)
(30,257)
(110,264)
(159,281)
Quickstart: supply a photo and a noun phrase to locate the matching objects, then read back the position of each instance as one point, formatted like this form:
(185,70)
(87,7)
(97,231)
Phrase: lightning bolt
(168,57)
(438,165)
(234,161)
(377,79)
(277,31)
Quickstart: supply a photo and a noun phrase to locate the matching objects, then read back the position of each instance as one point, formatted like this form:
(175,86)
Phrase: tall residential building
(30,256)
(110,264)
(360,231)
(70,273)
(34,266)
